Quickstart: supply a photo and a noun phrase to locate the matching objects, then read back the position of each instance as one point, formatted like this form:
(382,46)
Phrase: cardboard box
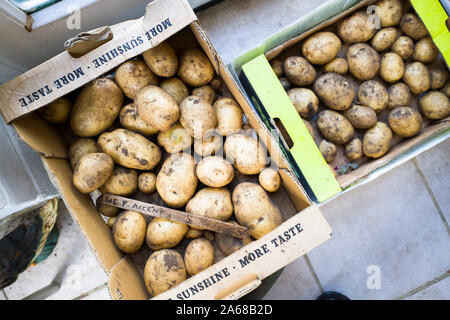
(303,228)
(266,94)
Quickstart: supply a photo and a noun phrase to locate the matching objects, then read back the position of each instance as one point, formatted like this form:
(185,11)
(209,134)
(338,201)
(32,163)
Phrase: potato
(384,39)
(147,182)
(425,50)
(357,28)
(435,105)
(321,47)
(197,116)
(353,149)
(417,77)
(129,149)
(79,148)
(105,209)
(176,139)
(216,83)
(446,89)
(195,68)
(193,233)
(96,107)
(199,256)
(399,95)
(390,12)
(162,60)
(57,111)
(299,71)
(92,171)
(129,231)
(164,234)
(208,235)
(335,91)
(130,119)
(122,182)
(285,83)
(228,244)
(133,75)
(361,117)
(335,127)
(215,171)
(163,270)
(374,95)
(111,221)
(404,47)
(392,67)
(254,209)
(413,27)
(213,203)
(277,66)
(245,153)
(208,146)
(405,121)
(269,179)
(229,116)
(377,140)
(176,180)
(337,65)
(328,150)
(310,128)
(439,77)
(157,107)
(363,61)
(305,101)
(205,92)
(176,88)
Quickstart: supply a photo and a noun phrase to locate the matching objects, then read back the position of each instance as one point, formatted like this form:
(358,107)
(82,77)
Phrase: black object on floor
(332,295)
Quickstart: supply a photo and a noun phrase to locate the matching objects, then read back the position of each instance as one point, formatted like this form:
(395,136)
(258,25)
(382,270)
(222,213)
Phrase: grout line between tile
(430,192)
(84,295)
(313,272)
(4,293)
(424,286)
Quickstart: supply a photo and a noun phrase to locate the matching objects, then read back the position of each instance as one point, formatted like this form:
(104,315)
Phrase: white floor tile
(2,295)
(388,227)
(296,282)
(438,291)
(102,294)
(72,265)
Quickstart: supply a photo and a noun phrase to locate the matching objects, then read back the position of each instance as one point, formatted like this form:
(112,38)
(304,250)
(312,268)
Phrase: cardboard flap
(64,73)
(85,42)
(125,282)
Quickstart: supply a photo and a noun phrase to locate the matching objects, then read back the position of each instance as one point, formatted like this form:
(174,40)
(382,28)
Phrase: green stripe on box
(277,104)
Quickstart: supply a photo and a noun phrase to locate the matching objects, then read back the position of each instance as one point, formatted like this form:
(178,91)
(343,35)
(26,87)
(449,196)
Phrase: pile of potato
(132,134)
(360,89)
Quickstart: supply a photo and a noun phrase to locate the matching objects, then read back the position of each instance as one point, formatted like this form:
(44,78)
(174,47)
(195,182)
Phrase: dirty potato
(228,244)
(215,171)
(310,128)
(285,83)
(130,149)
(164,234)
(373,95)
(425,50)
(104,209)
(214,203)
(269,179)
(277,66)
(399,95)
(361,117)
(435,105)
(357,28)
(122,182)
(92,171)
(96,107)
(130,119)
(417,77)
(157,107)
(335,91)
(245,153)
(404,47)
(205,92)
(147,182)
(254,209)
(305,101)
(384,39)
(377,140)
(57,111)
(335,127)
(328,150)
(176,88)
(176,139)
(405,121)
(176,180)
(363,61)
(129,231)
(79,148)
(162,60)
(163,270)
(195,68)
(413,27)
(299,71)
(198,256)
(392,67)
(439,77)
(321,47)
(209,145)
(390,12)
(229,116)
(193,233)
(197,116)
(337,65)
(133,75)
(353,149)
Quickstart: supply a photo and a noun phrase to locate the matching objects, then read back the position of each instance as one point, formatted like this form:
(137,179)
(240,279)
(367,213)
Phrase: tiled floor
(391,237)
